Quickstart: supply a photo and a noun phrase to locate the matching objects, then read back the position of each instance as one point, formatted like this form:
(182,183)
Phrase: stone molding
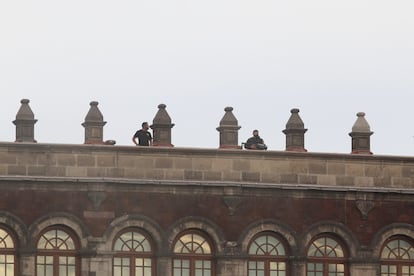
(59,218)
(140,222)
(391,230)
(288,235)
(212,230)
(339,230)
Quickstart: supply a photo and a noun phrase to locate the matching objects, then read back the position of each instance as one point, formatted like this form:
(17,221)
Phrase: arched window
(193,256)
(326,257)
(267,256)
(7,254)
(397,257)
(57,253)
(133,254)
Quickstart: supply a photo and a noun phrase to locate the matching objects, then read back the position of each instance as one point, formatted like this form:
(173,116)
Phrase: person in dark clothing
(143,135)
(255,142)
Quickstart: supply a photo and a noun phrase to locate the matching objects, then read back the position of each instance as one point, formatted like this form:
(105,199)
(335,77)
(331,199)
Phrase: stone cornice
(43,147)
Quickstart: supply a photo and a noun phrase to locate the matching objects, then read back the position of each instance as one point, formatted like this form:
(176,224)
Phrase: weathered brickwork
(229,195)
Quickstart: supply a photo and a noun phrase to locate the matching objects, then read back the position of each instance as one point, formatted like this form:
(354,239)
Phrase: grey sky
(330,59)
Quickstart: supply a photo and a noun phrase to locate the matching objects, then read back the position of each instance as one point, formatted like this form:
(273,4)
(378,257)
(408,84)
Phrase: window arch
(397,257)
(192,255)
(7,253)
(133,254)
(326,257)
(267,256)
(57,253)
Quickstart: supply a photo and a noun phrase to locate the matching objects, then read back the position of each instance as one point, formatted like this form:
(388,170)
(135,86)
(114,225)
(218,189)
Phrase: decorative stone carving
(231,247)
(232,203)
(364,206)
(97,198)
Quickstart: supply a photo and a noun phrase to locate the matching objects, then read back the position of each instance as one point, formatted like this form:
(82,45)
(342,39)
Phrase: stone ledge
(89,183)
(188,152)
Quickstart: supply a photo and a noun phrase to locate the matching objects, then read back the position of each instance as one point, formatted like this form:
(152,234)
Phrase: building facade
(99,209)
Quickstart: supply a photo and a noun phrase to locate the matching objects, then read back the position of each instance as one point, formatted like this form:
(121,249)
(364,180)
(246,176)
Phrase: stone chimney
(24,123)
(94,124)
(361,133)
(229,130)
(295,132)
(161,128)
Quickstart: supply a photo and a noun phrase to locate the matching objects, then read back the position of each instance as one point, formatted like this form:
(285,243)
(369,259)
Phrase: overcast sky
(330,59)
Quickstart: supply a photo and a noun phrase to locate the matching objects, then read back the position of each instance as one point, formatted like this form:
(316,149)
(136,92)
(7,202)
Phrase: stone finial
(229,130)
(295,132)
(94,124)
(361,133)
(161,127)
(25,122)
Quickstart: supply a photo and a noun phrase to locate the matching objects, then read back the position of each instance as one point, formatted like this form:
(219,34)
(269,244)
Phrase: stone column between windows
(101,266)
(297,268)
(27,265)
(231,267)
(364,269)
(164,266)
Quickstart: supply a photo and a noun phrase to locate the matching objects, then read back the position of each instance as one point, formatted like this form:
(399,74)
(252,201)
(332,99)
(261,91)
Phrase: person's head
(145,125)
(255,132)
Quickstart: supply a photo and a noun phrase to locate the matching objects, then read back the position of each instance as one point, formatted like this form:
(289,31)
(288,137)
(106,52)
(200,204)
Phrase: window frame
(193,257)
(132,255)
(326,260)
(267,259)
(57,253)
(397,262)
(11,251)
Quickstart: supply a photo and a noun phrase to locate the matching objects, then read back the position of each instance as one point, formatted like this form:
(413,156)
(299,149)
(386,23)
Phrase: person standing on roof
(143,135)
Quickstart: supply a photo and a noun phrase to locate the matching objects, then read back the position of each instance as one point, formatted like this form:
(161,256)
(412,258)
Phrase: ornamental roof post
(229,130)
(24,123)
(161,127)
(93,125)
(361,133)
(295,132)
